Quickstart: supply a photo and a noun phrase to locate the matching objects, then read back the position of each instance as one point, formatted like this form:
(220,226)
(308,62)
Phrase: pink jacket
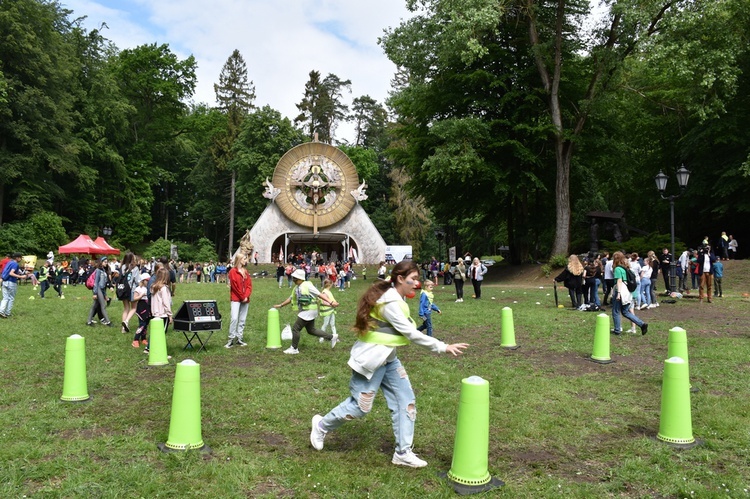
(161,303)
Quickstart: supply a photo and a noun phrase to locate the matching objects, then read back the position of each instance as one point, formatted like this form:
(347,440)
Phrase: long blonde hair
(574,265)
(162,280)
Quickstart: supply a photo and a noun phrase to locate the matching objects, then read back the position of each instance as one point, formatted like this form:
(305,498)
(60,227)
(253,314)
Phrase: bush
(41,233)
(643,244)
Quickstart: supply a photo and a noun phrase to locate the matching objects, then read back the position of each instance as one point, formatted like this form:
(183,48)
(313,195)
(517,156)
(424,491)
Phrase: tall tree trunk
(231,214)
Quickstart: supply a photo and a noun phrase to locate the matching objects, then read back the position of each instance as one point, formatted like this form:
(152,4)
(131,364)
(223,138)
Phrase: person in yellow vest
(305,295)
(384,323)
(327,312)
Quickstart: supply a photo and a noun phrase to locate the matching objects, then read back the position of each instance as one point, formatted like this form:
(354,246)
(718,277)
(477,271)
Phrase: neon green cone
(75,388)
(157,343)
(677,346)
(507,330)
(273,330)
(185,421)
(469,473)
(675,425)
(600,354)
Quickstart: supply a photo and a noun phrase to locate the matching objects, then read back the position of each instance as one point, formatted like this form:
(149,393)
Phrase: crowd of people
(628,282)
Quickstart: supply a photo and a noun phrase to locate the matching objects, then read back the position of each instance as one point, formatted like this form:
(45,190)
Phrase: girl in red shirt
(240,289)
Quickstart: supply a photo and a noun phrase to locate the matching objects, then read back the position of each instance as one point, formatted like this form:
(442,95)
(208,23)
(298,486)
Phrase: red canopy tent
(109,250)
(82,244)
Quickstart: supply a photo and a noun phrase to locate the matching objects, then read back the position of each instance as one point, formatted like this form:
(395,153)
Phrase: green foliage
(643,244)
(159,248)
(321,108)
(41,233)
(205,251)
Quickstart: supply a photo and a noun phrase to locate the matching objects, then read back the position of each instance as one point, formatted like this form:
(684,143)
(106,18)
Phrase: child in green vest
(426,306)
(327,312)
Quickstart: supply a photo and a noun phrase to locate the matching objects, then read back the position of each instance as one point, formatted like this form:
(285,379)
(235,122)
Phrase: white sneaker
(652,306)
(229,344)
(408,458)
(656,304)
(317,436)
(458,300)
(334,340)
(291,351)
(241,343)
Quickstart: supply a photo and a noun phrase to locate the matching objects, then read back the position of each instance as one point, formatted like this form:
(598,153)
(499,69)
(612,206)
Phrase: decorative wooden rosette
(316,181)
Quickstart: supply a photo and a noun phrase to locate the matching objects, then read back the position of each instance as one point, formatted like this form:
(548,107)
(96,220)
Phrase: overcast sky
(280,40)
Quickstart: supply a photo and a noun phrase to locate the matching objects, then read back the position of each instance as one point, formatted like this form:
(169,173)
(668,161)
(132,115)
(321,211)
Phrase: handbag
(286,333)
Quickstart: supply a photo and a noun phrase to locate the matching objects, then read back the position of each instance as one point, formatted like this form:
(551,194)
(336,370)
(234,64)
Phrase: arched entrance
(332,246)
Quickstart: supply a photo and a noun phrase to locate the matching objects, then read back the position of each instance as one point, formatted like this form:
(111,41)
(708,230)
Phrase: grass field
(560,425)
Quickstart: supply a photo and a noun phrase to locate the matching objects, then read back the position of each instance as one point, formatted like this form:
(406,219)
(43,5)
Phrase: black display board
(198,315)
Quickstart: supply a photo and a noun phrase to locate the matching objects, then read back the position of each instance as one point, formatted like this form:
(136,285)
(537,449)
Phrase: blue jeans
(646,290)
(618,308)
(9,296)
(393,380)
(427,324)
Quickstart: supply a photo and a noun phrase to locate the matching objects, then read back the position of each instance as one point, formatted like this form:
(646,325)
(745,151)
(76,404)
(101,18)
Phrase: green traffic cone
(469,473)
(675,425)
(273,331)
(600,355)
(185,421)
(75,388)
(677,344)
(157,343)
(507,330)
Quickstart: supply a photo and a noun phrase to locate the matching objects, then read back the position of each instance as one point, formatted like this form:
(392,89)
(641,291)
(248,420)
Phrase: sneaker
(644,328)
(651,306)
(291,351)
(91,323)
(145,350)
(408,458)
(106,323)
(136,344)
(3,316)
(125,327)
(229,344)
(656,304)
(241,343)
(615,332)
(317,435)
(631,330)
(334,340)
(62,297)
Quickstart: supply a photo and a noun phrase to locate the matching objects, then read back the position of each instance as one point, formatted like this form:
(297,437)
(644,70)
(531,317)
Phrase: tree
(411,215)
(321,108)
(370,119)
(235,94)
(38,149)
(156,84)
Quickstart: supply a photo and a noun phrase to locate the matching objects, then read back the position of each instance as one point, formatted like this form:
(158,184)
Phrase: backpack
(91,279)
(631,283)
(122,287)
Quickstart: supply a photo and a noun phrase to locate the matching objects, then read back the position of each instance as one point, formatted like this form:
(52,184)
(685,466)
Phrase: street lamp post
(440,235)
(683,175)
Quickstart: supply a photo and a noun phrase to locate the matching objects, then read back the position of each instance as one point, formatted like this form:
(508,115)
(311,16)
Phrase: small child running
(327,312)
(142,310)
(426,306)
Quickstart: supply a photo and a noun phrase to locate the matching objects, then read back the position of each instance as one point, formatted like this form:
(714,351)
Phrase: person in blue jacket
(426,306)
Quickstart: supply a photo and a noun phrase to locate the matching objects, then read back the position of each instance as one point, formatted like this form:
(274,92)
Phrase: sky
(280,40)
